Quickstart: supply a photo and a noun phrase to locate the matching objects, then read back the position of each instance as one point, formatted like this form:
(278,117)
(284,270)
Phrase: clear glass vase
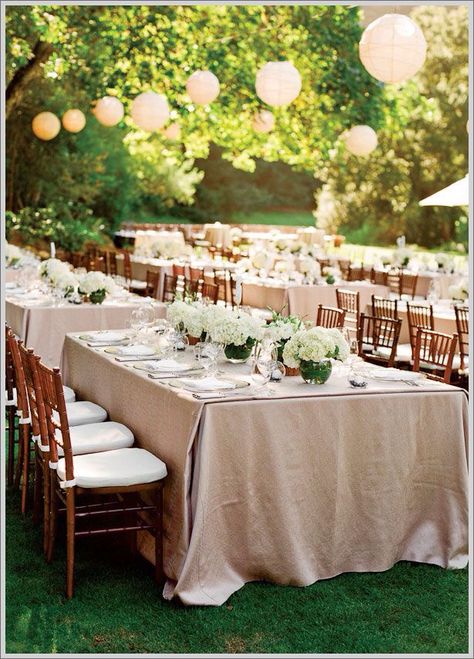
(316,372)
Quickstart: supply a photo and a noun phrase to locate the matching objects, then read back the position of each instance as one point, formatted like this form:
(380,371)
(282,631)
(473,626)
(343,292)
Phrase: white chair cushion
(96,437)
(82,412)
(136,283)
(69,394)
(403,352)
(123,467)
(13,400)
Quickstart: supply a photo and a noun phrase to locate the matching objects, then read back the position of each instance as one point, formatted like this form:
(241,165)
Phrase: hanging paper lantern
(108,111)
(172,132)
(263,121)
(46,126)
(150,111)
(74,121)
(360,140)
(278,83)
(202,87)
(392,48)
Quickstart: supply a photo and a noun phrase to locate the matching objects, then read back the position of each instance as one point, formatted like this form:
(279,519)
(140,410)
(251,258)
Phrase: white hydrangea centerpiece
(459,291)
(282,328)
(235,329)
(188,316)
(315,345)
(52,269)
(96,285)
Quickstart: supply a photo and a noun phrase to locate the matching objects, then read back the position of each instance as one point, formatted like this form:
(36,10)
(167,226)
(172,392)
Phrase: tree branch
(23,77)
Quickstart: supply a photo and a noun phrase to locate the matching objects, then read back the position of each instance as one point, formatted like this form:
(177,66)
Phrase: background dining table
(296,486)
(302,300)
(42,324)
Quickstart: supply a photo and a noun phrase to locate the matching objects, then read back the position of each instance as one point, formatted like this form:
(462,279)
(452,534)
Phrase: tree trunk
(22,78)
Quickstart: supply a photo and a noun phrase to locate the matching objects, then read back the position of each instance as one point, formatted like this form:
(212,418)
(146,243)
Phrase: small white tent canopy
(456,194)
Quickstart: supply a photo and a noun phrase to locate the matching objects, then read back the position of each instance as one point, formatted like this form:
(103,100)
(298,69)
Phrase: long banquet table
(43,326)
(307,484)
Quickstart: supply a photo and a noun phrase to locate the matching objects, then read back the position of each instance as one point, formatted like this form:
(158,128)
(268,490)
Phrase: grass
(411,608)
(288,218)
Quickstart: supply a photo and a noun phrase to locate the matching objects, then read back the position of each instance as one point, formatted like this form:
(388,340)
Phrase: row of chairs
(377,335)
(83,465)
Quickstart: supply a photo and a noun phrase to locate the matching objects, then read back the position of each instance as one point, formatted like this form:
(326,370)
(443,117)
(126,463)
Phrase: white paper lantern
(46,126)
(263,121)
(150,111)
(360,140)
(278,83)
(74,120)
(172,132)
(202,87)
(392,48)
(108,111)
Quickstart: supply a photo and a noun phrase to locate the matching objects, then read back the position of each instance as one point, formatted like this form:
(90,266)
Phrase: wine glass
(206,355)
(261,371)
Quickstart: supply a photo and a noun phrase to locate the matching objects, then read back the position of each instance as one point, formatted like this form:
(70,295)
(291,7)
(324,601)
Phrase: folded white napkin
(205,384)
(168,365)
(100,337)
(138,350)
(12,285)
(394,374)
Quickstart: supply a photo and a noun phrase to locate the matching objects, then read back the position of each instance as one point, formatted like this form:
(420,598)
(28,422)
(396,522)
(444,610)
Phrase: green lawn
(289,218)
(117,608)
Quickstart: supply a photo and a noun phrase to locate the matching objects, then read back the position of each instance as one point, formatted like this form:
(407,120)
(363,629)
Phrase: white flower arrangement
(13,255)
(402,256)
(187,317)
(459,291)
(309,266)
(314,345)
(66,282)
(261,261)
(96,284)
(168,249)
(232,326)
(51,269)
(281,328)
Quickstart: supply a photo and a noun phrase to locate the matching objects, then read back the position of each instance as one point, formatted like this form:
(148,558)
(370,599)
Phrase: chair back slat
(330,317)
(35,396)
(152,283)
(53,399)
(394,281)
(375,333)
(379,277)
(435,349)
(127,265)
(419,315)
(408,284)
(20,381)
(349,302)
(170,284)
(383,307)
(209,292)
(195,274)
(9,368)
(462,326)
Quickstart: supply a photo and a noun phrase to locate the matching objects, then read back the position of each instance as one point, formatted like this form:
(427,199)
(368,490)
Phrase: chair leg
(11,445)
(159,574)
(53,516)
(25,440)
(70,538)
(46,506)
(19,462)
(38,491)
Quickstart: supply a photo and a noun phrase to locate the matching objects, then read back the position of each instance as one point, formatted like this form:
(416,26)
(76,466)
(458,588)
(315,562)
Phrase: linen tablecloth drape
(293,490)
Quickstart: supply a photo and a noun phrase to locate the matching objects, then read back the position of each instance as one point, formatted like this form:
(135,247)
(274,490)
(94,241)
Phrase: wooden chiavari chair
(323,263)
(113,264)
(366,272)
(344,265)
(178,270)
(408,284)
(152,283)
(209,292)
(349,301)
(87,438)
(134,286)
(22,472)
(11,408)
(419,316)
(77,259)
(462,326)
(169,288)
(384,307)
(435,350)
(394,282)
(379,277)
(196,274)
(330,317)
(119,478)
(377,339)
(355,273)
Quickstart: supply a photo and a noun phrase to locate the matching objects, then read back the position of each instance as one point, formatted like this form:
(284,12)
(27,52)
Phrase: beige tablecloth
(303,301)
(44,328)
(293,490)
